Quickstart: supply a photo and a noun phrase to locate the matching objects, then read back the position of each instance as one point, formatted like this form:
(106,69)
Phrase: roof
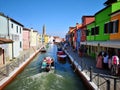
(2,14)
(109,2)
(115,12)
(5,41)
(26,29)
(102,10)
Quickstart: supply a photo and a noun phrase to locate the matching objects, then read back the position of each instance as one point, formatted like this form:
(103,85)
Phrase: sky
(56,15)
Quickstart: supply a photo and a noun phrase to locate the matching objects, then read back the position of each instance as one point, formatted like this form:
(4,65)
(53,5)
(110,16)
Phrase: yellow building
(46,37)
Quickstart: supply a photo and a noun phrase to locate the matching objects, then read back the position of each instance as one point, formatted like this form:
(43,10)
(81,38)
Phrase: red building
(85,20)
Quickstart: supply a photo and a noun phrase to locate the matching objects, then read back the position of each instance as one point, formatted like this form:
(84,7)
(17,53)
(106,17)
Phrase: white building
(15,31)
(11,33)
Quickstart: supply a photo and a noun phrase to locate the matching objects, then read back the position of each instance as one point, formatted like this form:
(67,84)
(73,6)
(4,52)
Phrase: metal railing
(103,82)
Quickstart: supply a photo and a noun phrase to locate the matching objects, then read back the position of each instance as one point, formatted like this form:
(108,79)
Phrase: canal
(64,78)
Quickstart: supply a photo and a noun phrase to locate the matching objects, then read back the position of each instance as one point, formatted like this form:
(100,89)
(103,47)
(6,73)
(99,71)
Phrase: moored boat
(61,55)
(47,64)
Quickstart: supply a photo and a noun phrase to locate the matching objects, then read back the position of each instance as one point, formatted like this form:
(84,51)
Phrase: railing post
(98,80)
(108,84)
(114,83)
(91,72)
(81,65)
(7,70)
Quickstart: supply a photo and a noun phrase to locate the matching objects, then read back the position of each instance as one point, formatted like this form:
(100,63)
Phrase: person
(99,63)
(105,60)
(109,62)
(80,51)
(115,63)
(52,62)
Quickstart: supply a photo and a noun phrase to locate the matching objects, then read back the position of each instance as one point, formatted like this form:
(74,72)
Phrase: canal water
(64,78)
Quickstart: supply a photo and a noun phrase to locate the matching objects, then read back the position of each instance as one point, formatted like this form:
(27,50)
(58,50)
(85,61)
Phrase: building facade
(26,38)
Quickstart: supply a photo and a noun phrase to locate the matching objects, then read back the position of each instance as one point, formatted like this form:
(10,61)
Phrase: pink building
(26,38)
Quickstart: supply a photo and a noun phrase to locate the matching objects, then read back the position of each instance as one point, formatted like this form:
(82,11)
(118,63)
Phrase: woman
(99,61)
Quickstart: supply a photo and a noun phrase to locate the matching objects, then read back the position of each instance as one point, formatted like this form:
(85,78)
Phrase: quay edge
(19,69)
(84,77)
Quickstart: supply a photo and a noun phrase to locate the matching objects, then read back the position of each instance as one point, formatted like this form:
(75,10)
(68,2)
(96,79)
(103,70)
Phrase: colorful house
(33,38)
(102,32)
(78,35)
(46,38)
(71,36)
(26,38)
(85,20)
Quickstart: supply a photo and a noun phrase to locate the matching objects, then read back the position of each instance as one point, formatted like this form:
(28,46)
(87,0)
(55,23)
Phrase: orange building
(115,24)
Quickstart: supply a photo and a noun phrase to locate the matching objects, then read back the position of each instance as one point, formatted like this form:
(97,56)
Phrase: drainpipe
(8,26)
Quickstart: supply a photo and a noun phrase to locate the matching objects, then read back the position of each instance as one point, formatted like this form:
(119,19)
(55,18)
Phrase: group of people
(47,63)
(106,61)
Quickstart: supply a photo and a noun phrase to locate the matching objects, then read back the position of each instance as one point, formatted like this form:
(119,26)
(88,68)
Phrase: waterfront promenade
(12,68)
(101,77)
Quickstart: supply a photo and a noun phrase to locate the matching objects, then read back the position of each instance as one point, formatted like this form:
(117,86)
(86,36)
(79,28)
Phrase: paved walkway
(100,81)
(89,61)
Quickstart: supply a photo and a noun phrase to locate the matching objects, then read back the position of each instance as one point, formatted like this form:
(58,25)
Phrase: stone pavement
(101,80)
(89,61)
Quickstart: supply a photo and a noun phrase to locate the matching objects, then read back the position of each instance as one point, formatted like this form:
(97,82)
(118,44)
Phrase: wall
(101,18)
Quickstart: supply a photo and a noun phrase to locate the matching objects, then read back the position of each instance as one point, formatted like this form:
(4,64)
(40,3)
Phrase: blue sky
(57,15)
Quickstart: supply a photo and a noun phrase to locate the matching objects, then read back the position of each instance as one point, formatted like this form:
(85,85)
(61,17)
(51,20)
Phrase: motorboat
(47,64)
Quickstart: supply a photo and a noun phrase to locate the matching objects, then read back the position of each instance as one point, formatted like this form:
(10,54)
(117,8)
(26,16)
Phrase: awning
(110,43)
(5,41)
(92,43)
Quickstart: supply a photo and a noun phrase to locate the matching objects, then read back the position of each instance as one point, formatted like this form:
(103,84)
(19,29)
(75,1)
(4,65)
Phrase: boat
(61,55)
(43,50)
(47,64)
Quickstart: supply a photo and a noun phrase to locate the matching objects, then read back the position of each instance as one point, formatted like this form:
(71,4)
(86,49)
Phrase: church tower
(44,30)
(43,34)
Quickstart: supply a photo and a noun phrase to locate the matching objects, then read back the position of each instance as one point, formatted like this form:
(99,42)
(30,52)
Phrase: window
(17,29)
(20,44)
(113,26)
(110,27)
(97,30)
(12,25)
(106,26)
(87,32)
(93,31)
(20,30)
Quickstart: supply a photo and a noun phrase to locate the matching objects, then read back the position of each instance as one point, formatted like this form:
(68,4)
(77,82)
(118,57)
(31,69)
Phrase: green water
(63,78)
